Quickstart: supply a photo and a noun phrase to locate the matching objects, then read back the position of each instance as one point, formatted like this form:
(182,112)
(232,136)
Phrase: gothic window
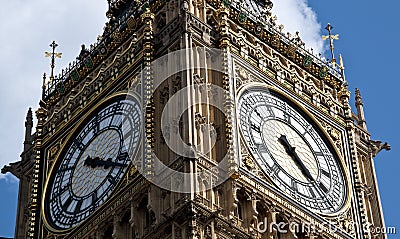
(219,200)
(204,189)
(262,218)
(286,233)
(242,206)
(165,200)
(108,233)
(216,199)
(125,226)
(239,210)
(205,193)
(144,212)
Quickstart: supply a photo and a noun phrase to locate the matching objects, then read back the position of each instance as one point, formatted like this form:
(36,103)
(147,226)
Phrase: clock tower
(198,119)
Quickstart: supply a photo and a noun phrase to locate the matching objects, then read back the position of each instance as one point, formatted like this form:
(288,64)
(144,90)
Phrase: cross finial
(331,38)
(53,56)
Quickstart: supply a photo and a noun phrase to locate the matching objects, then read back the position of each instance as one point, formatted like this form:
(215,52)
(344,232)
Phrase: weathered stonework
(139,32)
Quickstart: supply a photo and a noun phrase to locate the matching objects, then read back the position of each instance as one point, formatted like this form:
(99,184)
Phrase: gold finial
(331,38)
(268,6)
(341,61)
(53,56)
(341,66)
(44,85)
(44,80)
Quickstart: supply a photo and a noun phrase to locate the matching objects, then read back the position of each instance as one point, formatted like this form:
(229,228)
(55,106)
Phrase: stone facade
(139,32)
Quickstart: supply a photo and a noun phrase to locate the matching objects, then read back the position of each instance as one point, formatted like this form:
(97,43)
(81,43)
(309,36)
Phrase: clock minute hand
(97,162)
(292,152)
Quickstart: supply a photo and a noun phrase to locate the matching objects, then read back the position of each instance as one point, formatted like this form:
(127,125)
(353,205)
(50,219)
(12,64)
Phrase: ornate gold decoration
(291,51)
(275,40)
(51,236)
(117,37)
(323,72)
(132,171)
(345,222)
(248,161)
(331,38)
(307,61)
(243,76)
(53,56)
(335,135)
(344,94)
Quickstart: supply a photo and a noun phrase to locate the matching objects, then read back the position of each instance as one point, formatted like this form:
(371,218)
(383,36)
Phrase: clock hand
(292,152)
(97,162)
(90,162)
(108,163)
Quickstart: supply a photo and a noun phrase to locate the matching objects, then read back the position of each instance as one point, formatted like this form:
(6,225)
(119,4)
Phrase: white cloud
(11,179)
(296,15)
(27,28)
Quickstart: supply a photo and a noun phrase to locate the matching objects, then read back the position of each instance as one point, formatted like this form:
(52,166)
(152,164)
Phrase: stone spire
(360,110)
(28,130)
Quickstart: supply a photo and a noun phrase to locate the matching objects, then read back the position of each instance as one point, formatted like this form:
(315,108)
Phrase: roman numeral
(294,186)
(96,125)
(122,156)
(319,154)
(94,198)
(323,187)
(111,121)
(287,117)
(61,192)
(312,192)
(64,169)
(308,128)
(66,204)
(258,113)
(128,134)
(79,144)
(65,188)
(270,111)
(261,148)
(255,128)
(123,121)
(325,173)
(78,206)
(111,179)
(275,169)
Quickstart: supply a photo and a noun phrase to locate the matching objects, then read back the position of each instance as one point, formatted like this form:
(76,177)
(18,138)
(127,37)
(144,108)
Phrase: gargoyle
(377,146)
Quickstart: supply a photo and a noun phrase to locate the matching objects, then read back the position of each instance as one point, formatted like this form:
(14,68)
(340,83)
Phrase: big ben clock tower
(198,119)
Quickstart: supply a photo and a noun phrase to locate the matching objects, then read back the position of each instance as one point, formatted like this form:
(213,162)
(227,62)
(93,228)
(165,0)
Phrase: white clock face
(292,151)
(93,162)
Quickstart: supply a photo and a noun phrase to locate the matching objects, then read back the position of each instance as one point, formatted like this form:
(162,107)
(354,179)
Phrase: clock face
(92,163)
(292,151)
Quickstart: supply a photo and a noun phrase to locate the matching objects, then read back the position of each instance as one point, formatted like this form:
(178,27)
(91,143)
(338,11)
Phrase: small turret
(28,130)
(360,110)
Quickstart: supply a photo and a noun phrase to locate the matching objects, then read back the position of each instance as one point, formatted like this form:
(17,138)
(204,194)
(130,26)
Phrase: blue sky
(368,43)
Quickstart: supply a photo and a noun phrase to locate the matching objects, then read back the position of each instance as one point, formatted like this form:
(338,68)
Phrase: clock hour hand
(292,152)
(97,162)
